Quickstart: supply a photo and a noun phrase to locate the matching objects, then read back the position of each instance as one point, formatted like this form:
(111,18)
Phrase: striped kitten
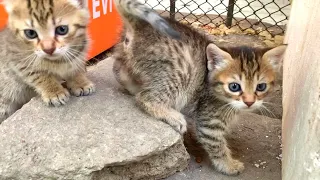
(167,75)
(44,42)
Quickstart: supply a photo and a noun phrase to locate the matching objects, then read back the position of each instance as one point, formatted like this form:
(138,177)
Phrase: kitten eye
(30,34)
(261,87)
(62,30)
(234,87)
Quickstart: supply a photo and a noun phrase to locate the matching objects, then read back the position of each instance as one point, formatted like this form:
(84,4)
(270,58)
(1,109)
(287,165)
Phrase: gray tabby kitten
(166,75)
(44,42)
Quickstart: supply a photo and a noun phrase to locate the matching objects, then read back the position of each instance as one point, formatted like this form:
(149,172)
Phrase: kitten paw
(229,166)
(83,91)
(56,99)
(180,125)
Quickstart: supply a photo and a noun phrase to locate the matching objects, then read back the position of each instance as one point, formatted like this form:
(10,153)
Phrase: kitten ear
(217,58)
(275,56)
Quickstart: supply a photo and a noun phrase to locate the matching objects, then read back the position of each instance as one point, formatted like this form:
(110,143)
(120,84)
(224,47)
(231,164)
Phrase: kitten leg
(211,135)
(122,75)
(80,85)
(52,92)
(161,110)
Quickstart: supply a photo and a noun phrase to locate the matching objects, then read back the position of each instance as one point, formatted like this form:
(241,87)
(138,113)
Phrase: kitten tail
(132,11)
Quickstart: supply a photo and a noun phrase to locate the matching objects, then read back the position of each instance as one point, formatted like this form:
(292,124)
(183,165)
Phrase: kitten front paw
(83,91)
(56,98)
(229,166)
(182,127)
(179,124)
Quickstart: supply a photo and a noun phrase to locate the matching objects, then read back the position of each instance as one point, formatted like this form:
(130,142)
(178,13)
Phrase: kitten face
(244,77)
(50,29)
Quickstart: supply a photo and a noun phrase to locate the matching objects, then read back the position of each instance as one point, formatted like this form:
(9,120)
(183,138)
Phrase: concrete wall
(301,101)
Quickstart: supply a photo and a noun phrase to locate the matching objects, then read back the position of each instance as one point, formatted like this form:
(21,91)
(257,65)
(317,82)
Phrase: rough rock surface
(104,136)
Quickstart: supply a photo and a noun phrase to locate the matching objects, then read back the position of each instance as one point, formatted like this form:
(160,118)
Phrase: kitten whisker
(32,62)
(29,60)
(75,45)
(269,112)
(76,63)
(28,50)
(65,56)
(227,112)
(77,54)
(70,58)
(80,52)
(261,111)
(272,104)
(26,59)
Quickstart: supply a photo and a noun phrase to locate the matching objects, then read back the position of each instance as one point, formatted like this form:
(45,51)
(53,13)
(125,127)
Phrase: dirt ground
(255,139)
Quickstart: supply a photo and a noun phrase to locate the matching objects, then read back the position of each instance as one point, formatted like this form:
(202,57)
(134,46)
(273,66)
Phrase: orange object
(104,28)
(3,17)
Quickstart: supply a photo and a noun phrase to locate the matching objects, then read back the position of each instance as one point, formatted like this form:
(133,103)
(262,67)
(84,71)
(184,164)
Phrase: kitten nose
(49,51)
(249,103)
(48,46)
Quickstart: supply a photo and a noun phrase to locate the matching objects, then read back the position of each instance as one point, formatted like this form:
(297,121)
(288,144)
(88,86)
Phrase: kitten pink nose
(49,51)
(249,103)
(48,46)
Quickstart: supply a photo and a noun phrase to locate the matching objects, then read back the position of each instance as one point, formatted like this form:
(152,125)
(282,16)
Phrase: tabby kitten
(45,42)
(167,75)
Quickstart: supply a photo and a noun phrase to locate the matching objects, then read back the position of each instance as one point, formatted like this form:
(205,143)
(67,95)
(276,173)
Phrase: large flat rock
(104,136)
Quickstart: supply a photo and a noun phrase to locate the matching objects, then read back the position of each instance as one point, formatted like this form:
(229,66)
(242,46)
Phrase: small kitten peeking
(168,75)
(238,79)
(44,43)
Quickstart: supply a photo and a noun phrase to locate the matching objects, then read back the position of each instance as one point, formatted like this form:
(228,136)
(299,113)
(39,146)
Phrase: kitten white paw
(83,91)
(179,124)
(56,99)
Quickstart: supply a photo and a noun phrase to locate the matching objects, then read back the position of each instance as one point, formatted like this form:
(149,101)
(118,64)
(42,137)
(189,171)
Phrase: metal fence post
(172,9)
(230,13)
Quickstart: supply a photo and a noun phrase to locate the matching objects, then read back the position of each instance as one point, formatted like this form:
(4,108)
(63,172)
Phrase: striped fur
(26,69)
(133,12)
(166,76)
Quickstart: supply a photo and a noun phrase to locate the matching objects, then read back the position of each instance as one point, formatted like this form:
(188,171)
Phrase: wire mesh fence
(257,15)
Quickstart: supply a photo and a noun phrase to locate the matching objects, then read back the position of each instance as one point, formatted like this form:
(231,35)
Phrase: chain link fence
(256,15)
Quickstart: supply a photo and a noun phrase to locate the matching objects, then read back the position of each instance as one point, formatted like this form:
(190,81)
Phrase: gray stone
(104,136)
